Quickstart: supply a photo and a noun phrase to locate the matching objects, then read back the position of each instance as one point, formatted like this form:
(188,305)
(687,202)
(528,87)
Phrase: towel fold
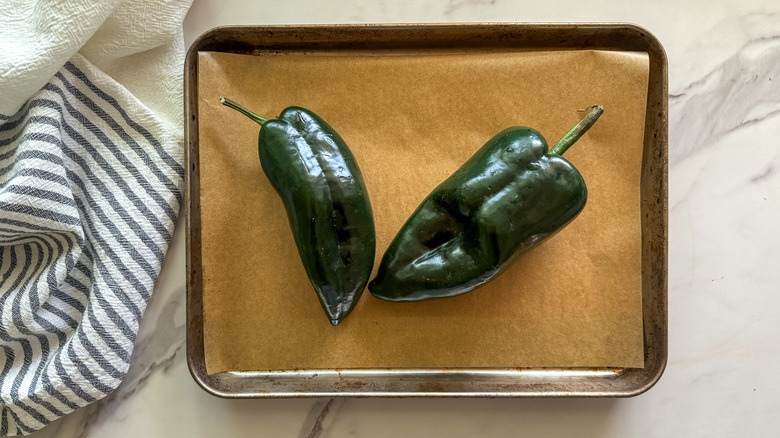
(91,181)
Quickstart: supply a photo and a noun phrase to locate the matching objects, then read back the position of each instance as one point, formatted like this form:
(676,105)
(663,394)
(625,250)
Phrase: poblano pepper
(507,198)
(327,204)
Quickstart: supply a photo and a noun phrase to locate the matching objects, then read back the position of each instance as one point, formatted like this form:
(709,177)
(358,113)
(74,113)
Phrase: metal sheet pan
(479,382)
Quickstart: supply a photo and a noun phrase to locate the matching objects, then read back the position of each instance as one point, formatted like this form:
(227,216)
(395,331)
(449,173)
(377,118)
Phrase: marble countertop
(724,248)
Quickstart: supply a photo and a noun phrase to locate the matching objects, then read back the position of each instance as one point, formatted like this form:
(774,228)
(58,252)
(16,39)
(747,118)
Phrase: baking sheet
(410,121)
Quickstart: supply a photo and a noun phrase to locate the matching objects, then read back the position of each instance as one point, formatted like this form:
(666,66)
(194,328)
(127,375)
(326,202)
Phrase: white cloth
(91,181)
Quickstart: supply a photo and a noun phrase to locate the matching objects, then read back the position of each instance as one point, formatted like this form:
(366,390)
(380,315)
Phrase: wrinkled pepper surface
(506,199)
(327,203)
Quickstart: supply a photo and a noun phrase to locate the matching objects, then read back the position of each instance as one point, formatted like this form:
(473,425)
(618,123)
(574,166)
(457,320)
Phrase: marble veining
(315,423)
(454,5)
(737,93)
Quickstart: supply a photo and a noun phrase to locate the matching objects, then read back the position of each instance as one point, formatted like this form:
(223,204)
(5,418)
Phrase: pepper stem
(577,131)
(229,103)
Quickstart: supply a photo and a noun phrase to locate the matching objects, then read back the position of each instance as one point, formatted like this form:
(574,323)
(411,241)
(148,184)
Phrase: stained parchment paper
(411,120)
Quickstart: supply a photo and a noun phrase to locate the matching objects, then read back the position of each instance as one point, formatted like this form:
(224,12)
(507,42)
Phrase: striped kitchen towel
(91,181)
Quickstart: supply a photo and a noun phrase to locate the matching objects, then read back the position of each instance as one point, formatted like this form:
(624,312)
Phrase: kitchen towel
(91,181)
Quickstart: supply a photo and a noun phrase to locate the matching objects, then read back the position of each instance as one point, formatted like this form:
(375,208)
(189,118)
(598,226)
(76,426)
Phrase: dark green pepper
(327,204)
(507,198)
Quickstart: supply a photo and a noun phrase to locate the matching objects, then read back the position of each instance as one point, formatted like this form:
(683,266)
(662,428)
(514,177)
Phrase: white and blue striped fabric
(90,188)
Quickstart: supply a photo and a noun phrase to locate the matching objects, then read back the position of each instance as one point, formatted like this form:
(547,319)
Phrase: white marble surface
(724,251)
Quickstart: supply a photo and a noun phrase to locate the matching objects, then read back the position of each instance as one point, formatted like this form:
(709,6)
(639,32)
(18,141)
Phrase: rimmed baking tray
(481,382)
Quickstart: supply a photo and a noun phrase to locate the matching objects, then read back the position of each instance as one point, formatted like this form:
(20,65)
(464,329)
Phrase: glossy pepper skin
(510,196)
(327,205)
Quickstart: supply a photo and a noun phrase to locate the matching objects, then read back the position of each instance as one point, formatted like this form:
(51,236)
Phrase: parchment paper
(411,120)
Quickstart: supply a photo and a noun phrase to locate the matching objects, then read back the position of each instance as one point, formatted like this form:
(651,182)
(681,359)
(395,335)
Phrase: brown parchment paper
(411,120)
